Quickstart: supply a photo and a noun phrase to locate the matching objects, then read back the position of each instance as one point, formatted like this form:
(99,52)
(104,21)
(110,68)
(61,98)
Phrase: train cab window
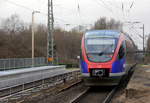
(122,50)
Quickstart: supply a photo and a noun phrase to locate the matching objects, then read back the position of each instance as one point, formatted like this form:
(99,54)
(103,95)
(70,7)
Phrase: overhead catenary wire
(135,32)
(43,2)
(115,4)
(108,2)
(118,8)
(25,7)
(19,5)
(138,34)
(99,2)
(126,13)
(102,4)
(131,6)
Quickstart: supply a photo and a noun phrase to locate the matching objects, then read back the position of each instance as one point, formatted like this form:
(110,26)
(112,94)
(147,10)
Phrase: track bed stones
(95,95)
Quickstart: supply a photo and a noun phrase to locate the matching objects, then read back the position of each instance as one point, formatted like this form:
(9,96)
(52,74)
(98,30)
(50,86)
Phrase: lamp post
(33,36)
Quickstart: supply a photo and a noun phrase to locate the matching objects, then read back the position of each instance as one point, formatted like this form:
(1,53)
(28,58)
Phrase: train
(106,56)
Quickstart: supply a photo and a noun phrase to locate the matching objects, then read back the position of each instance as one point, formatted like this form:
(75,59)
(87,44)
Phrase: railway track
(39,96)
(102,94)
(95,95)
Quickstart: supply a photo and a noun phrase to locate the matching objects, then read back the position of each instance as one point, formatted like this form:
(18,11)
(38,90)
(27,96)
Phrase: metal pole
(143,38)
(50,39)
(143,43)
(48,32)
(33,38)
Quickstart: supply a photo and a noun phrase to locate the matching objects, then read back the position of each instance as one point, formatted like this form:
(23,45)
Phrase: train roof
(110,33)
(107,33)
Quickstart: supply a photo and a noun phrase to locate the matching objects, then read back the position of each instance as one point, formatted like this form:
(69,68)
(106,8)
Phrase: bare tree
(13,24)
(103,23)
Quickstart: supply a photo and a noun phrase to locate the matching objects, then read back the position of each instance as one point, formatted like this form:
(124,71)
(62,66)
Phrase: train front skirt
(112,80)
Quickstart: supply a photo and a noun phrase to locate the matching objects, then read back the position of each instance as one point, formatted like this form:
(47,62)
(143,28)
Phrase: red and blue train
(104,58)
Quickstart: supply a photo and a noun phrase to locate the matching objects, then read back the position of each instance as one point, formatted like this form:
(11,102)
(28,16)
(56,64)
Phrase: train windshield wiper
(101,53)
(105,50)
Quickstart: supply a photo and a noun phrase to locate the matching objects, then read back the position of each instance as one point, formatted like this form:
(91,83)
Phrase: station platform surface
(30,69)
(11,78)
(138,88)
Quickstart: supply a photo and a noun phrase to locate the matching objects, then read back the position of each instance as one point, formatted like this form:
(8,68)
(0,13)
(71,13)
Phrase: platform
(12,78)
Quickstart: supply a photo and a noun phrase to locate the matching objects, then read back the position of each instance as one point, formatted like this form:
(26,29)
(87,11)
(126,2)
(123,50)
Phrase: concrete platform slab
(13,78)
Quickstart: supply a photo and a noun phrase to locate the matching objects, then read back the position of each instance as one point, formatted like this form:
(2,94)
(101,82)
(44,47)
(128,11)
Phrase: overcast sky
(82,12)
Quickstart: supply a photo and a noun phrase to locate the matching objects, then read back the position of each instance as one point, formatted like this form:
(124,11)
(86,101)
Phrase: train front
(97,58)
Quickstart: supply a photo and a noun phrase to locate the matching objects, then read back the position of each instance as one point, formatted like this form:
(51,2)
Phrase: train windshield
(100,49)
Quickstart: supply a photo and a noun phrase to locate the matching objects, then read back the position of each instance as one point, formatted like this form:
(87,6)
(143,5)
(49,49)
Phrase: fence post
(14,63)
(4,65)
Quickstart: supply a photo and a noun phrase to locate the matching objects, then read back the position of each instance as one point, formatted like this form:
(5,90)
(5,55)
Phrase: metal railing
(16,63)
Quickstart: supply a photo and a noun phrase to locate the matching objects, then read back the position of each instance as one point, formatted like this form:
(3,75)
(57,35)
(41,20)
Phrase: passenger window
(122,50)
